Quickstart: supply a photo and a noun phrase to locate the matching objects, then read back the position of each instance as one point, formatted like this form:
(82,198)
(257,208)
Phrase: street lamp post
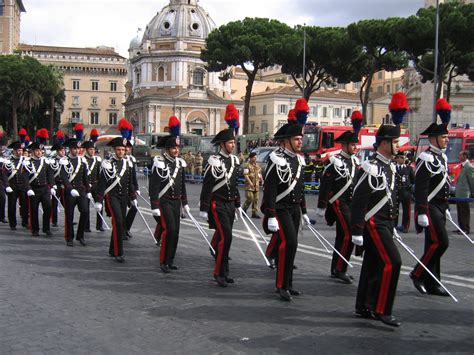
(435,81)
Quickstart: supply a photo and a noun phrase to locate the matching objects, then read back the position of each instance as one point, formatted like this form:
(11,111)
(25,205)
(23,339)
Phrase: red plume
(78,127)
(231,112)
(22,132)
(292,115)
(59,134)
(301,105)
(442,104)
(357,115)
(399,102)
(42,133)
(123,124)
(94,132)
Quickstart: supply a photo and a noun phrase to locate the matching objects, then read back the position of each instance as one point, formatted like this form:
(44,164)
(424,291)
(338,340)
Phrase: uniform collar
(224,154)
(169,157)
(71,157)
(382,158)
(435,149)
(289,153)
(345,155)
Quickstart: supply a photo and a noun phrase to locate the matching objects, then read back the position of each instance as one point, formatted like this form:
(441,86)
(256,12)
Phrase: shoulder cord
(284,173)
(110,173)
(166,172)
(218,172)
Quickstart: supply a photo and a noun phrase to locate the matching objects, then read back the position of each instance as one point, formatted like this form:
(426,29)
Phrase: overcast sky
(90,23)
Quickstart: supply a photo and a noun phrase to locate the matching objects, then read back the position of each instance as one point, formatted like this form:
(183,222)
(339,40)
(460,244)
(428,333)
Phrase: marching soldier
(41,181)
(117,189)
(167,194)
(335,197)
(60,150)
(219,200)
(94,162)
(284,204)
(406,179)
(198,162)
(431,203)
(373,217)
(74,177)
(253,176)
(132,210)
(17,185)
(3,186)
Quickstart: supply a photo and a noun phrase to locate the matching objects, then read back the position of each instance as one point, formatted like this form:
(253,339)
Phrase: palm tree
(29,99)
(56,85)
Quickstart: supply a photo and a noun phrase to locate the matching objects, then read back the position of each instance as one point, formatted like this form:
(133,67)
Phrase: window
(313,111)
(2,5)
(380,74)
(325,112)
(113,86)
(379,89)
(95,86)
(161,74)
(75,100)
(282,109)
(388,88)
(93,101)
(198,78)
(264,111)
(357,85)
(397,87)
(112,101)
(94,118)
(112,118)
(138,76)
(264,127)
(337,112)
(75,116)
(75,85)
(252,127)
(253,111)
(348,112)
(281,123)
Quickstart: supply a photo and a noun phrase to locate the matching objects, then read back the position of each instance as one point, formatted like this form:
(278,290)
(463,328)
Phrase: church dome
(135,43)
(180,19)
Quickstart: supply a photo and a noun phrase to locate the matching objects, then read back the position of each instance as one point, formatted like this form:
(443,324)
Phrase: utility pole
(435,81)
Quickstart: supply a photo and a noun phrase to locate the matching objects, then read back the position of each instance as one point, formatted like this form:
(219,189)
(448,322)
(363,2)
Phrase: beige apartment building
(10,15)
(94,82)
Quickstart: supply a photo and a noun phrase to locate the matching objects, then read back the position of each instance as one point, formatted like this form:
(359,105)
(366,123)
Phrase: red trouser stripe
(164,238)
(114,226)
(220,252)
(271,245)
(432,249)
(281,257)
(347,236)
(387,269)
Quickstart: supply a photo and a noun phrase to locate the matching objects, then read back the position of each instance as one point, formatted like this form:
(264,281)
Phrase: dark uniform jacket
(405,177)
(431,179)
(220,180)
(75,167)
(16,174)
(40,174)
(56,168)
(134,173)
(94,169)
(283,177)
(120,170)
(376,182)
(167,179)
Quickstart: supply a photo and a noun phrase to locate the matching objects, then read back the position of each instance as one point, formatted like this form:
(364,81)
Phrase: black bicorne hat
(436,130)
(35,145)
(168,142)
(72,143)
(224,136)
(88,144)
(17,145)
(118,142)
(347,137)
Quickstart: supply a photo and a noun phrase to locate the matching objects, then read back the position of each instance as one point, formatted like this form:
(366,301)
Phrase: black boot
(285,295)
(418,283)
(388,320)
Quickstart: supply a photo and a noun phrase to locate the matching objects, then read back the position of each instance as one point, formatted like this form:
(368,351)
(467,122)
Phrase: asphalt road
(55,299)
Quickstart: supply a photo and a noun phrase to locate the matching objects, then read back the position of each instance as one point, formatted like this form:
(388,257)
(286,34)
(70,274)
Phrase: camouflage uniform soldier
(253,175)
(198,161)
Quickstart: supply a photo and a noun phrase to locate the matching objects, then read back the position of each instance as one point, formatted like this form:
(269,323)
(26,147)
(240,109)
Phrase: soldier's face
(120,152)
(395,146)
(62,152)
(18,152)
(296,143)
(173,151)
(74,151)
(91,151)
(350,148)
(229,146)
(253,159)
(37,153)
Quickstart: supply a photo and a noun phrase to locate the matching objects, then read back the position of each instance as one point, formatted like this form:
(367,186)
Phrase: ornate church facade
(167,77)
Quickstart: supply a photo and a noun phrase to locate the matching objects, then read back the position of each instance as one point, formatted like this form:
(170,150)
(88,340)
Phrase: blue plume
(398,116)
(357,125)
(445,115)
(125,133)
(94,138)
(174,131)
(79,135)
(302,117)
(61,140)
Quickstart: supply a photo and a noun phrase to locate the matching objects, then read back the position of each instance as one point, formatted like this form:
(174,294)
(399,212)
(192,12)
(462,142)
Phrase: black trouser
(55,204)
(343,243)
(69,205)
(116,206)
(98,221)
(170,214)
(464,215)
(436,243)
(13,196)
(132,212)
(43,196)
(3,200)
(289,219)
(380,268)
(223,214)
(404,199)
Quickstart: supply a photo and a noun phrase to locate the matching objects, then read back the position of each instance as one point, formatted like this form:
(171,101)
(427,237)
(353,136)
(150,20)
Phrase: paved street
(55,299)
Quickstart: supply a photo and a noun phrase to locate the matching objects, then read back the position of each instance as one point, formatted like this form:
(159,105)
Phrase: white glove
(187,209)
(237,215)
(448,215)
(53,192)
(139,193)
(204,215)
(9,190)
(135,203)
(74,193)
(156,212)
(30,193)
(98,206)
(358,240)
(423,220)
(273,225)
(320,212)
(89,196)
(306,219)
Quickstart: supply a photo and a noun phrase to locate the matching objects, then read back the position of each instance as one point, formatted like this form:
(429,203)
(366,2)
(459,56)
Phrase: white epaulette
(425,156)
(99,159)
(106,164)
(26,163)
(214,161)
(336,161)
(356,160)
(158,163)
(236,159)
(64,161)
(277,160)
(301,159)
(182,162)
(369,168)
